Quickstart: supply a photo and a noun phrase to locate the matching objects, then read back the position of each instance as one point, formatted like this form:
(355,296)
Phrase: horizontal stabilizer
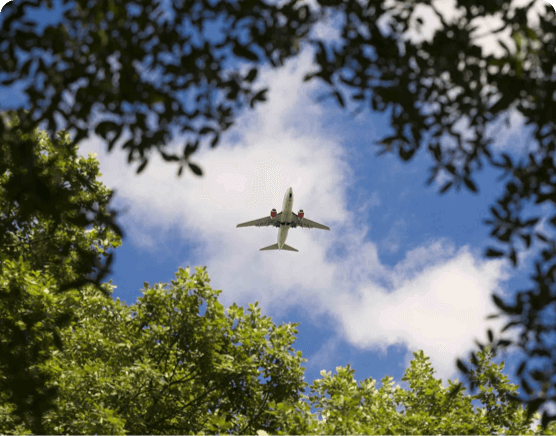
(275,247)
(287,247)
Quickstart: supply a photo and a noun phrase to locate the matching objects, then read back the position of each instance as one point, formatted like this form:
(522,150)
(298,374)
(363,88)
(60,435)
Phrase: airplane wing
(304,223)
(263,222)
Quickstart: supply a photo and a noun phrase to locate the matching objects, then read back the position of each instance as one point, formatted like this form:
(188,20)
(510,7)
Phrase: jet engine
(300,213)
(273,214)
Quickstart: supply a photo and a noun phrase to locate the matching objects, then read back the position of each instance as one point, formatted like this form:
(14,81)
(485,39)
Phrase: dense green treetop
(175,362)
(48,197)
(344,406)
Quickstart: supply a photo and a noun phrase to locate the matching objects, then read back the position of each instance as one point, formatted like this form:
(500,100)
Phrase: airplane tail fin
(275,247)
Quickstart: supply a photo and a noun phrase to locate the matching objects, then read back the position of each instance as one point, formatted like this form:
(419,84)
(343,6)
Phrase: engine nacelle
(300,213)
(273,214)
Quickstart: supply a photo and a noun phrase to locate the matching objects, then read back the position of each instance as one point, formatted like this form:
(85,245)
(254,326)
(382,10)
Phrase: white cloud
(435,300)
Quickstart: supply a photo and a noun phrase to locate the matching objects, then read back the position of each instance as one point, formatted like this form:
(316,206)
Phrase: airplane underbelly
(283,235)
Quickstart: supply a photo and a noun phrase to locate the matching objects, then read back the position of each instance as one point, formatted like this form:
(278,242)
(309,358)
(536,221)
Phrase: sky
(402,268)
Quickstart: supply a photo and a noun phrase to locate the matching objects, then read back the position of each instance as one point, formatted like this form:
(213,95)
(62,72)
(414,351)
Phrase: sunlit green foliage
(175,362)
(344,406)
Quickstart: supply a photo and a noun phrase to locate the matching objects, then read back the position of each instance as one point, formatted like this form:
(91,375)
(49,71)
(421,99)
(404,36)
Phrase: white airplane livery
(284,220)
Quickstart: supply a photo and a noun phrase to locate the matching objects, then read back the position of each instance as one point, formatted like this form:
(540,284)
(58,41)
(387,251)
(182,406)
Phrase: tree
(427,87)
(345,407)
(46,193)
(97,58)
(45,251)
(161,366)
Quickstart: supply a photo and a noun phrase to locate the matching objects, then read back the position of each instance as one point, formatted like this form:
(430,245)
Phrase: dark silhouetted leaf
(244,52)
(446,187)
(513,257)
(470,184)
(526,239)
(504,343)
(251,75)
(521,368)
(206,130)
(309,76)
(195,169)
(142,166)
(491,252)
(169,157)
(462,366)
(259,96)
(339,98)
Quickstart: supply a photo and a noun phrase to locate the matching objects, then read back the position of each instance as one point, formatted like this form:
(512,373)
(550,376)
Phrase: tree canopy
(45,252)
(174,362)
(178,362)
(344,406)
(120,70)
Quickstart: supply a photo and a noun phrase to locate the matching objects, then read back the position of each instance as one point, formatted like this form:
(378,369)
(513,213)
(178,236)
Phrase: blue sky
(401,269)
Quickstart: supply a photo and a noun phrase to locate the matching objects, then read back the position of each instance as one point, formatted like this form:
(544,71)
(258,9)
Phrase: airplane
(284,220)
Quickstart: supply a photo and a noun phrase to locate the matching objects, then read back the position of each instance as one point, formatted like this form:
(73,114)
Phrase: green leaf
(309,76)
(446,187)
(503,103)
(243,52)
(195,168)
(251,75)
(339,98)
(516,36)
(505,47)
(206,130)
(142,166)
(259,96)
(103,128)
(513,257)
(470,184)
(491,252)
(527,239)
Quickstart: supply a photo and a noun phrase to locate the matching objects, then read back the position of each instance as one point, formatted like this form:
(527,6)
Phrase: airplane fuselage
(285,218)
